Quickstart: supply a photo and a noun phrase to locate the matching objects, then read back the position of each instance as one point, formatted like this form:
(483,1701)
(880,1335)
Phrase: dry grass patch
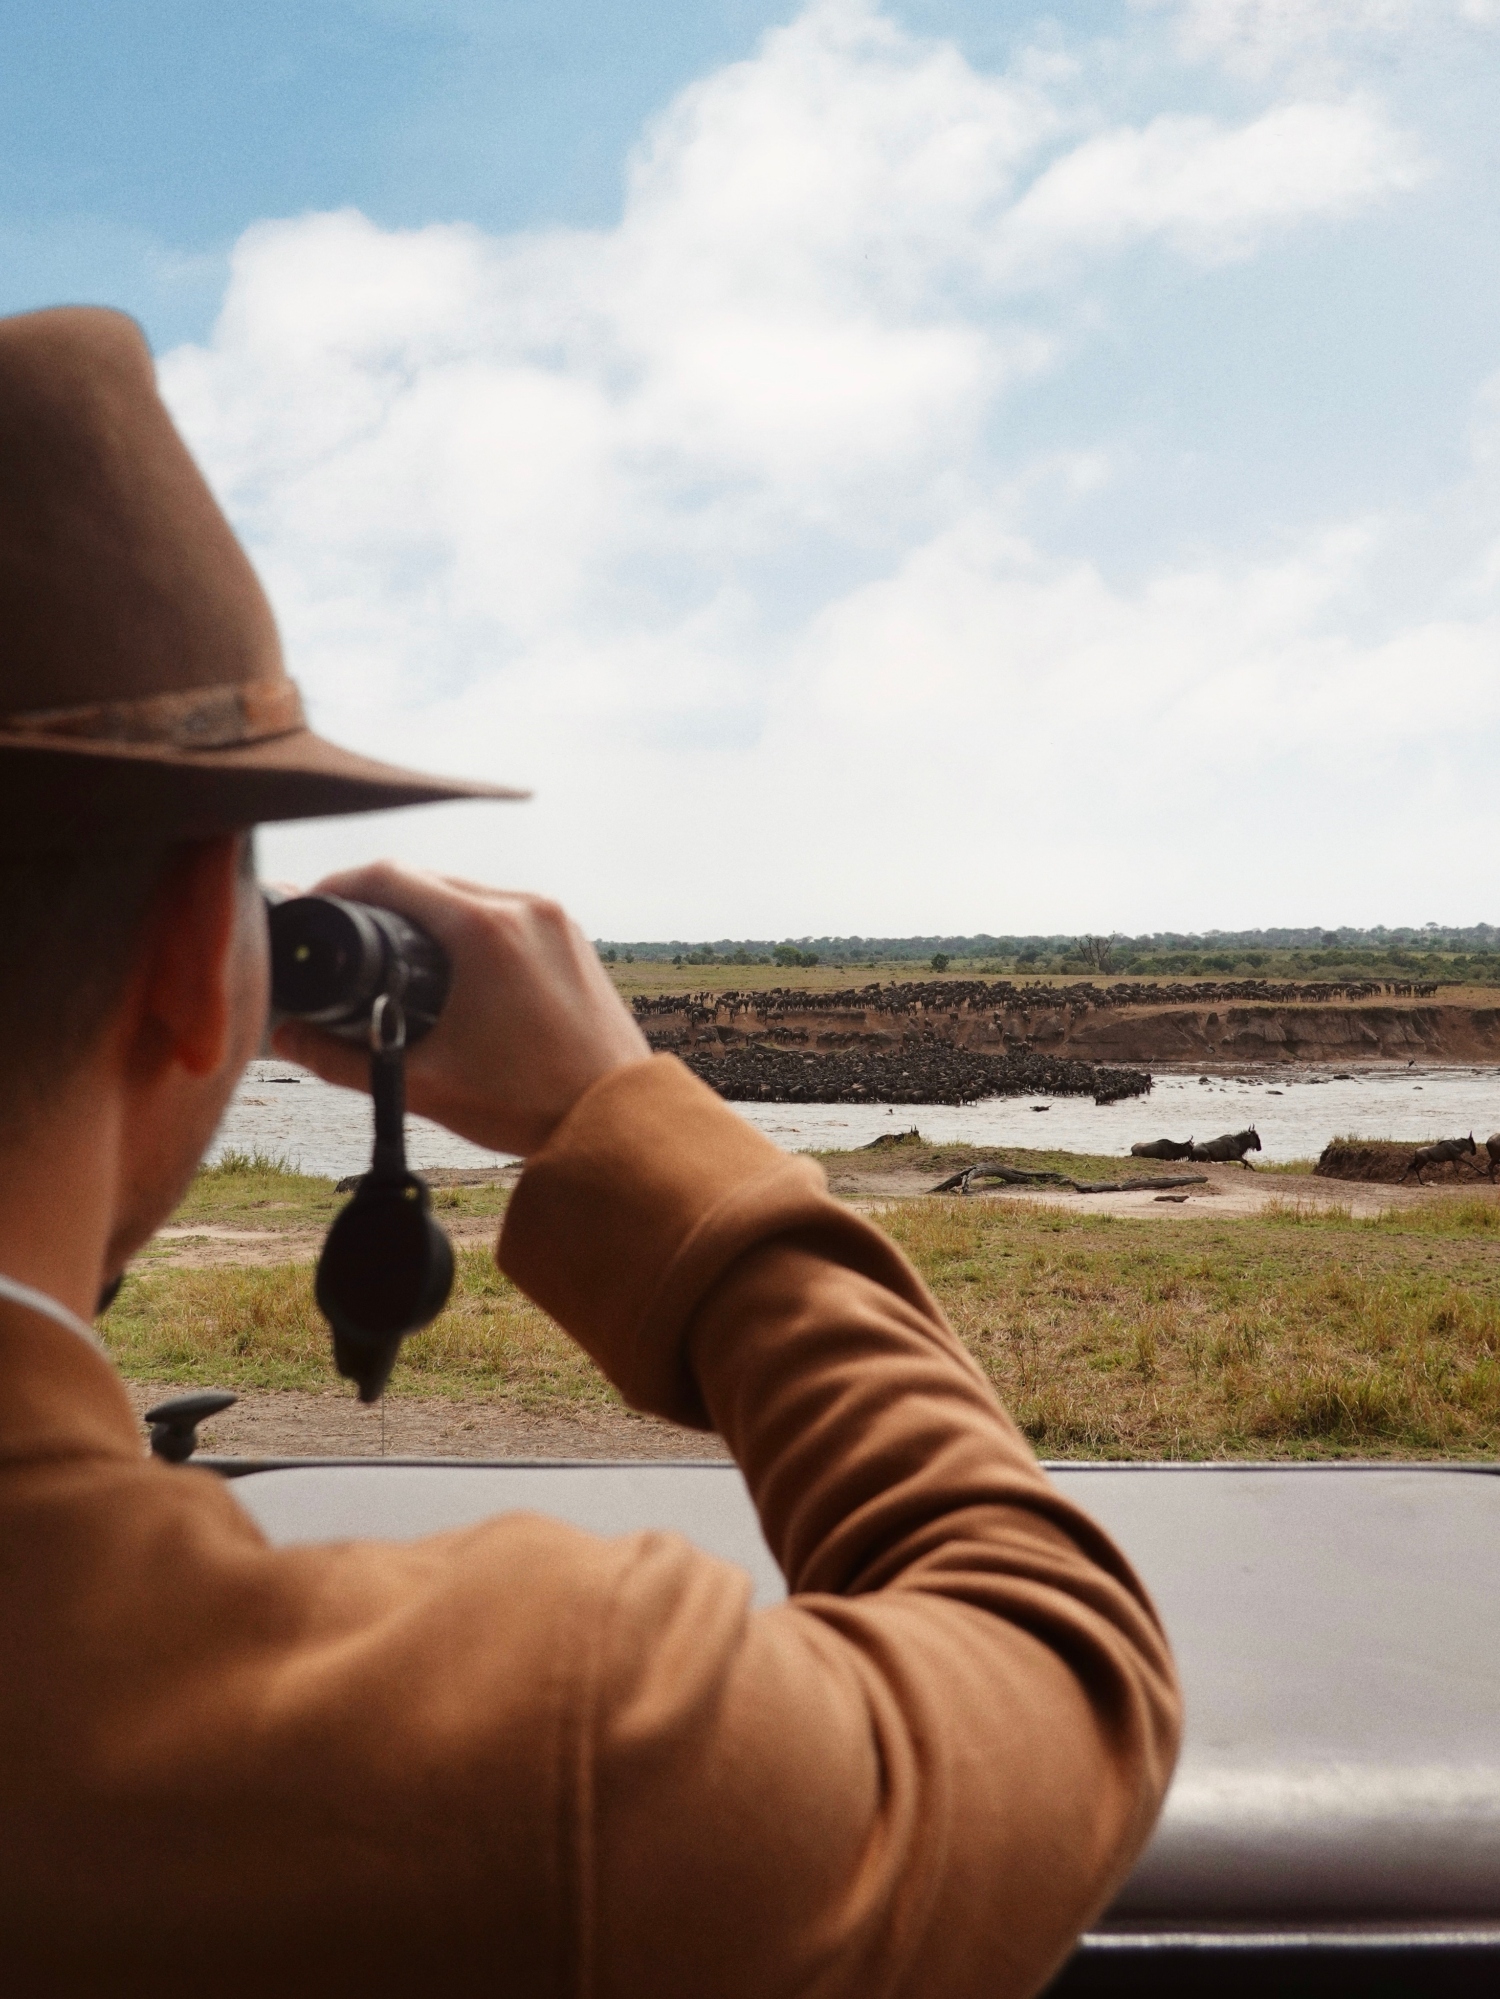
(1302,1333)
(235,1327)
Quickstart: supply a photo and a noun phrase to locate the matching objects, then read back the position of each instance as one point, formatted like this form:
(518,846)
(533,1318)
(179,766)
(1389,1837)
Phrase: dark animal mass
(927,1042)
(1005,993)
(754,1073)
(1164,1148)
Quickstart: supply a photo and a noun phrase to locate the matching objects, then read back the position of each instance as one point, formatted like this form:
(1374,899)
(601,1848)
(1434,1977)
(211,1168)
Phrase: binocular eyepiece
(333,958)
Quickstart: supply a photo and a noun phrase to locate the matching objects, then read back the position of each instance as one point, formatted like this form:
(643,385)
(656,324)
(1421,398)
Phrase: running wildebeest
(1492,1147)
(1233,1145)
(1163,1148)
(1446,1151)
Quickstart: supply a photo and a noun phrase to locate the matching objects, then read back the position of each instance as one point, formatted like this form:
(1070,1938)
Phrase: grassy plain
(1289,1333)
(1460,986)
(1294,1333)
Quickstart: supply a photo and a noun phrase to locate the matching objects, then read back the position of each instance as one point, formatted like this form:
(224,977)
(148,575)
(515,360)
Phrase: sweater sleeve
(933,1765)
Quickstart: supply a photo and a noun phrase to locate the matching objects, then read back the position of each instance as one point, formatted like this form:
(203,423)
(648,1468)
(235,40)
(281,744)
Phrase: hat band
(197,718)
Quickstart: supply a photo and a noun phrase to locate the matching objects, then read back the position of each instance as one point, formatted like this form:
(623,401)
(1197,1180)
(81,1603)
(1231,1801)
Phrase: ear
(184,998)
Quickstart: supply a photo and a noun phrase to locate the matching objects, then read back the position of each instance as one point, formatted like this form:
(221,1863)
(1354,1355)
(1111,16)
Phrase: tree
(940,961)
(1097,952)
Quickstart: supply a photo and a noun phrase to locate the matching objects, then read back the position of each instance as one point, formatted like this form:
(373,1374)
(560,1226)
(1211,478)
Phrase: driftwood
(1015,1176)
(1020,1176)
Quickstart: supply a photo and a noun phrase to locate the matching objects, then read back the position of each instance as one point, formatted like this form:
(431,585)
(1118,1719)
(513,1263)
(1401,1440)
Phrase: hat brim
(61,793)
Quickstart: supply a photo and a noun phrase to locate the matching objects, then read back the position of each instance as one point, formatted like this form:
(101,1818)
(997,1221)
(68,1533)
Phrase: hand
(531,1022)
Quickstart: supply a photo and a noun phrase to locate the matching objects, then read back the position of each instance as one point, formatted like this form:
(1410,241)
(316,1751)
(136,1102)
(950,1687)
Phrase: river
(282,1110)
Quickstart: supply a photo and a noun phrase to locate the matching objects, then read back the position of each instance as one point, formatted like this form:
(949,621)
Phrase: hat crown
(120,578)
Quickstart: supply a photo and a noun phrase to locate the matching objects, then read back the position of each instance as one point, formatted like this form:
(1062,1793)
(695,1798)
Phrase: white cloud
(1256,37)
(701,523)
(1213,190)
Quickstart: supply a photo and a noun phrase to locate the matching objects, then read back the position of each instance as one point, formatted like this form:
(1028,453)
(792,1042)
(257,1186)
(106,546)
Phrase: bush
(940,961)
(233,1164)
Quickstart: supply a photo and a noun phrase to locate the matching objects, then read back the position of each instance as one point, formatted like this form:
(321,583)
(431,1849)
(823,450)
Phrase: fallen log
(1015,1176)
(1020,1176)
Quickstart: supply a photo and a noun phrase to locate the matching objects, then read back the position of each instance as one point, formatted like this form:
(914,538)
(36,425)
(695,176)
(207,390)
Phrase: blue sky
(926,467)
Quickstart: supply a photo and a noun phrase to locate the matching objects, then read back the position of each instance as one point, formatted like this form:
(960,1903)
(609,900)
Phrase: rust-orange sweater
(525,1760)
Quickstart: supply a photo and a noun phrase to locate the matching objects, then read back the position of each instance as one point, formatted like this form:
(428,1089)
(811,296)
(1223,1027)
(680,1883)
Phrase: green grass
(915,1155)
(254,1190)
(246,1189)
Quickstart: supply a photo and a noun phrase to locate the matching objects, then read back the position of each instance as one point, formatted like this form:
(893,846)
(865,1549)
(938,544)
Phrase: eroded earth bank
(945,1041)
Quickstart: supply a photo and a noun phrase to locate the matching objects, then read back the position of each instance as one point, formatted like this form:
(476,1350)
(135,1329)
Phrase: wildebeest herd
(1233,1145)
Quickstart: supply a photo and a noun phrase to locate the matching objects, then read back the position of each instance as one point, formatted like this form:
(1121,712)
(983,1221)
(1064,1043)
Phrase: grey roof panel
(1337,1628)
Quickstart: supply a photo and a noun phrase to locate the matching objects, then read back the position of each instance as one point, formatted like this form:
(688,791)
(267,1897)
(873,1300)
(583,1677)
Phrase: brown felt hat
(142,690)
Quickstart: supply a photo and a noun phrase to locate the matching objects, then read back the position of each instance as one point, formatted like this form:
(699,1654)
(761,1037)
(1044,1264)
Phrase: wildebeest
(1446,1151)
(1492,1147)
(1164,1148)
(1233,1145)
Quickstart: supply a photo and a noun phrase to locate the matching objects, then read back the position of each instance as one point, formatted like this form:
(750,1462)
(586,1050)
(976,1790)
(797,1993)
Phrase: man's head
(146,718)
(135,993)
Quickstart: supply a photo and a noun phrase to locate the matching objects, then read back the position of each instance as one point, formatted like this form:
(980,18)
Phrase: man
(516,1758)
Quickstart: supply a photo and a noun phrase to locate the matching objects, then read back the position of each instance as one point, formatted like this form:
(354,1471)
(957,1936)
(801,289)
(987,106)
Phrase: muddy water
(282,1110)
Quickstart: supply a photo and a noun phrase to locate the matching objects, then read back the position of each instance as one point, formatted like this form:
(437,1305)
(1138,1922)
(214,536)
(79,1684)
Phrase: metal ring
(387,1008)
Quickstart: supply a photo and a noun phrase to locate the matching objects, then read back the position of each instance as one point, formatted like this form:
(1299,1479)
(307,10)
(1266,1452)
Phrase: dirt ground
(197,1246)
(277,1423)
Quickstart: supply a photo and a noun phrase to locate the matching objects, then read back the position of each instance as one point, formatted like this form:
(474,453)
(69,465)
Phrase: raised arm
(933,1765)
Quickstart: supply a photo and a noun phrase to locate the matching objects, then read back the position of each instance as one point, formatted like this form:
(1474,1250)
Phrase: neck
(60,1178)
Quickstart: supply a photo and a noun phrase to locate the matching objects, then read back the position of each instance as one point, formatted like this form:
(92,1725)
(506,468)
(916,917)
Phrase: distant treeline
(1425,938)
(1453,956)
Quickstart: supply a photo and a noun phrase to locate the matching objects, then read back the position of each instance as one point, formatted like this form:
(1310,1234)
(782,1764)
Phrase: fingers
(425,897)
(410,892)
(532,1018)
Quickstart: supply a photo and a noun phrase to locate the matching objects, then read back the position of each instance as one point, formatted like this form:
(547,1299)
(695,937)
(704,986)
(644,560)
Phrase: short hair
(71,924)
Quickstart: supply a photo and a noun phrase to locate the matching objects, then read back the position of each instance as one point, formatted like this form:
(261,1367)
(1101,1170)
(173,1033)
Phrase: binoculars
(373,977)
(332,959)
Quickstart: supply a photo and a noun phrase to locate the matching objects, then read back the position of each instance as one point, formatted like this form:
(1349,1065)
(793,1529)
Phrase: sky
(870,469)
